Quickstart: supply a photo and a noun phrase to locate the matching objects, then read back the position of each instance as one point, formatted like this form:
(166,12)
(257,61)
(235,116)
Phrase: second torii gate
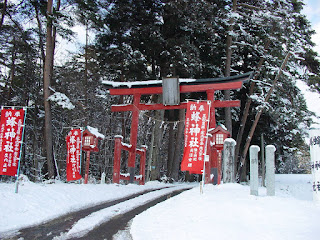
(137,89)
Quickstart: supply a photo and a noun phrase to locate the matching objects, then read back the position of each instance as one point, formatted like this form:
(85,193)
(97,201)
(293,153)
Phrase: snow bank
(229,212)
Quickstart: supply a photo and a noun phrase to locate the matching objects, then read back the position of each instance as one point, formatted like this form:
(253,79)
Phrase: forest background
(143,40)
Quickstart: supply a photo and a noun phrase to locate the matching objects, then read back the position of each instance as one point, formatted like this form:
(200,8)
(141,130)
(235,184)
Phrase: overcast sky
(312,11)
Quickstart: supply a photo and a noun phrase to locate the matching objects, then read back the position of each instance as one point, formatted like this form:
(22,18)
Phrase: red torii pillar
(134,135)
(136,107)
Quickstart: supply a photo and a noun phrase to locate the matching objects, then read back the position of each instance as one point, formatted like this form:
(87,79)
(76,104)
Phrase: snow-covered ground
(37,203)
(229,212)
(226,211)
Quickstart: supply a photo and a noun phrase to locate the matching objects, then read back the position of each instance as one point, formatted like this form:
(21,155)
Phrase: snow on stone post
(254,175)
(315,163)
(270,170)
(228,160)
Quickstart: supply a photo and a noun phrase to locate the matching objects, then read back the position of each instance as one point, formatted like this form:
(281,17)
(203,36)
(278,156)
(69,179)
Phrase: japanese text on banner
(11,128)
(195,136)
(73,155)
(315,162)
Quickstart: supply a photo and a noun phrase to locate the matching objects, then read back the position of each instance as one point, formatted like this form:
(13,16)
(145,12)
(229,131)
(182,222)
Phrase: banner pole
(22,137)
(80,150)
(81,130)
(205,152)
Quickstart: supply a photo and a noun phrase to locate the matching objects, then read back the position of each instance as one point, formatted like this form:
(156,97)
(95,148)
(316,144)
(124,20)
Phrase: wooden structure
(119,145)
(218,135)
(137,89)
(89,144)
(89,141)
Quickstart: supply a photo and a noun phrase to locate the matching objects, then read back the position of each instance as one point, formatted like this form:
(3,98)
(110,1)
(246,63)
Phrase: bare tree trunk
(54,33)
(47,75)
(256,120)
(227,110)
(4,9)
(158,132)
(13,68)
(171,144)
(123,114)
(178,146)
(86,79)
(41,45)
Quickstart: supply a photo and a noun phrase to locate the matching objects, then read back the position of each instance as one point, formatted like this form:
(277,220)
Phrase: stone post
(254,175)
(315,163)
(228,161)
(103,178)
(270,170)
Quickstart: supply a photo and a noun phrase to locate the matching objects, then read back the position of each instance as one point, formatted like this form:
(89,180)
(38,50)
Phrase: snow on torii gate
(209,85)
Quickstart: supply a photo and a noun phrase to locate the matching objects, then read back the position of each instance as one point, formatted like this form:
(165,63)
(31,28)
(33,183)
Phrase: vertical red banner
(73,154)
(196,127)
(11,128)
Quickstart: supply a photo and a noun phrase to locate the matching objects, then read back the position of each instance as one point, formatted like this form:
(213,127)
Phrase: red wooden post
(210,97)
(87,168)
(143,165)
(134,136)
(117,159)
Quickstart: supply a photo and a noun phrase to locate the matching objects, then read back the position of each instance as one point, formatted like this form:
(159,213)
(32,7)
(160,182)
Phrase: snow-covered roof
(142,83)
(182,81)
(95,132)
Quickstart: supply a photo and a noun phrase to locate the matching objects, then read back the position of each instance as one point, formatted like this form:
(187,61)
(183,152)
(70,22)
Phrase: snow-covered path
(87,224)
(226,211)
(38,203)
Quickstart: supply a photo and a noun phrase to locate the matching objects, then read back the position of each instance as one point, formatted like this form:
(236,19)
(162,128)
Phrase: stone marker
(228,160)
(270,170)
(103,178)
(254,175)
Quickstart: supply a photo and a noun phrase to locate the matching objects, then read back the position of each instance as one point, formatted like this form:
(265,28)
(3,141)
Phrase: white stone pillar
(315,163)
(270,170)
(254,174)
(228,160)
(103,178)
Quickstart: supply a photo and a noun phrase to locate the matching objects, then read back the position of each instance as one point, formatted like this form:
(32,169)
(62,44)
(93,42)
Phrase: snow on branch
(261,101)
(62,100)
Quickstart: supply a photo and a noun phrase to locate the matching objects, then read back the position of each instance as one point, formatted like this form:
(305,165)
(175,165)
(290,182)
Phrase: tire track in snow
(53,228)
(107,222)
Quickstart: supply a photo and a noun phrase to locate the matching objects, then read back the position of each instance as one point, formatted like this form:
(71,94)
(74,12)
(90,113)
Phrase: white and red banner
(73,155)
(11,128)
(196,126)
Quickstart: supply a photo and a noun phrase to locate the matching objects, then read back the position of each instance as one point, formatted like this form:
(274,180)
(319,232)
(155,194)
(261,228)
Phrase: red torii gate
(186,86)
